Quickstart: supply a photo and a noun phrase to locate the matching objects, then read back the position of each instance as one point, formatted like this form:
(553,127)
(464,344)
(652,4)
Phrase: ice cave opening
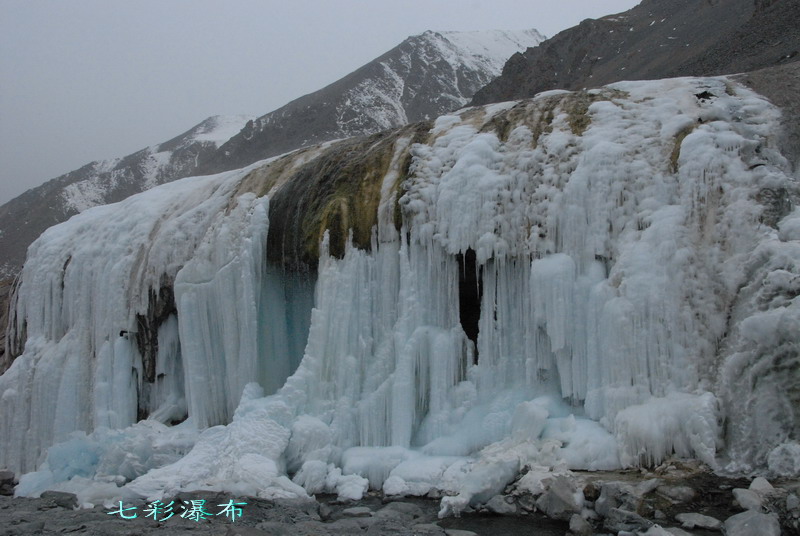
(470,294)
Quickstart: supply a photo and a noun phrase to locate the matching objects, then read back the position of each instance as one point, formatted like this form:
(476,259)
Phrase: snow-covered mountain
(108,181)
(631,253)
(424,76)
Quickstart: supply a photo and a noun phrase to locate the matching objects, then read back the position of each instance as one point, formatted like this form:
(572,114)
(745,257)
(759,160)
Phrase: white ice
(632,300)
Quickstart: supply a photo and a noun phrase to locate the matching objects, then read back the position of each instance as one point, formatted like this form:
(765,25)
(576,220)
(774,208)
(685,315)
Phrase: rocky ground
(676,499)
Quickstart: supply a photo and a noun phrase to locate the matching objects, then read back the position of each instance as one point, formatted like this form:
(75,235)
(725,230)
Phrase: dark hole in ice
(470,291)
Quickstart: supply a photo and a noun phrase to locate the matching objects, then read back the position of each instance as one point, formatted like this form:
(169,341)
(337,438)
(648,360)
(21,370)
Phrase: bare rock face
(7,483)
(5,293)
(656,39)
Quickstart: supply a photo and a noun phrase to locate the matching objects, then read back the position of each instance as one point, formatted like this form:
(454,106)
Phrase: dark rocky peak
(656,39)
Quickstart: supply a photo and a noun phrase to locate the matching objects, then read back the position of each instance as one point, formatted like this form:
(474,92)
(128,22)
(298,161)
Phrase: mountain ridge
(209,147)
(655,39)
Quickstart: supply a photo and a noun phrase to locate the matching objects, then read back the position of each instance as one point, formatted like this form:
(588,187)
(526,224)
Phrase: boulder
(591,491)
(61,498)
(761,486)
(617,495)
(579,526)
(748,499)
(357,511)
(677,493)
(527,502)
(691,521)
(656,530)
(675,531)
(428,529)
(400,511)
(623,520)
(647,486)
(751,523)
(561,500)
(352,525)
(499,505)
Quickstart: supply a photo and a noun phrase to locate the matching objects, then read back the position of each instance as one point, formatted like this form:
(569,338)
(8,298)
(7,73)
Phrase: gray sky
(85,80)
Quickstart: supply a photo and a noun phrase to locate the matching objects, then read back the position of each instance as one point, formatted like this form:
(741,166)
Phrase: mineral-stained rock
(591,492)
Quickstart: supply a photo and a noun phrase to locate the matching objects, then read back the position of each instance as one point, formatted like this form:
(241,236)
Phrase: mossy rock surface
(335,188)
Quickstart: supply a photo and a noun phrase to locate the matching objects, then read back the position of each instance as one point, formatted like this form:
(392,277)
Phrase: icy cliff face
(631,253)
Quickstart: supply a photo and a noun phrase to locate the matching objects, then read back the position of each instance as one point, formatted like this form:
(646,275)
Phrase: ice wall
(88,293)
(637,259)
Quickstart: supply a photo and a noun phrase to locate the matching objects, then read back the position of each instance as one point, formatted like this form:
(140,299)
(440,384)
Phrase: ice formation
(632,252)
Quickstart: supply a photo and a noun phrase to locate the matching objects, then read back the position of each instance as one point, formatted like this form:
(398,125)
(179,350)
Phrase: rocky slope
(23,219)
(424,76)
(656,39)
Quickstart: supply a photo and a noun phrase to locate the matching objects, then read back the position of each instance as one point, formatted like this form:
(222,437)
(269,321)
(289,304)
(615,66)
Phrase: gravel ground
(22,517)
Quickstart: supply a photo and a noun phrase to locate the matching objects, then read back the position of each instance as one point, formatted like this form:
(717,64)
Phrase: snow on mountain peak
(493,47)
(423,77)
(220,128)
(454,65)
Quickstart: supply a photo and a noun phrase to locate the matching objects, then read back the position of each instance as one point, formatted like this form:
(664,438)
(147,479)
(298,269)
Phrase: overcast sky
(85,80)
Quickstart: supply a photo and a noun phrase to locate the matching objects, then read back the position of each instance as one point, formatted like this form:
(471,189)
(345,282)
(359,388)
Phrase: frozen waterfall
(631,249)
